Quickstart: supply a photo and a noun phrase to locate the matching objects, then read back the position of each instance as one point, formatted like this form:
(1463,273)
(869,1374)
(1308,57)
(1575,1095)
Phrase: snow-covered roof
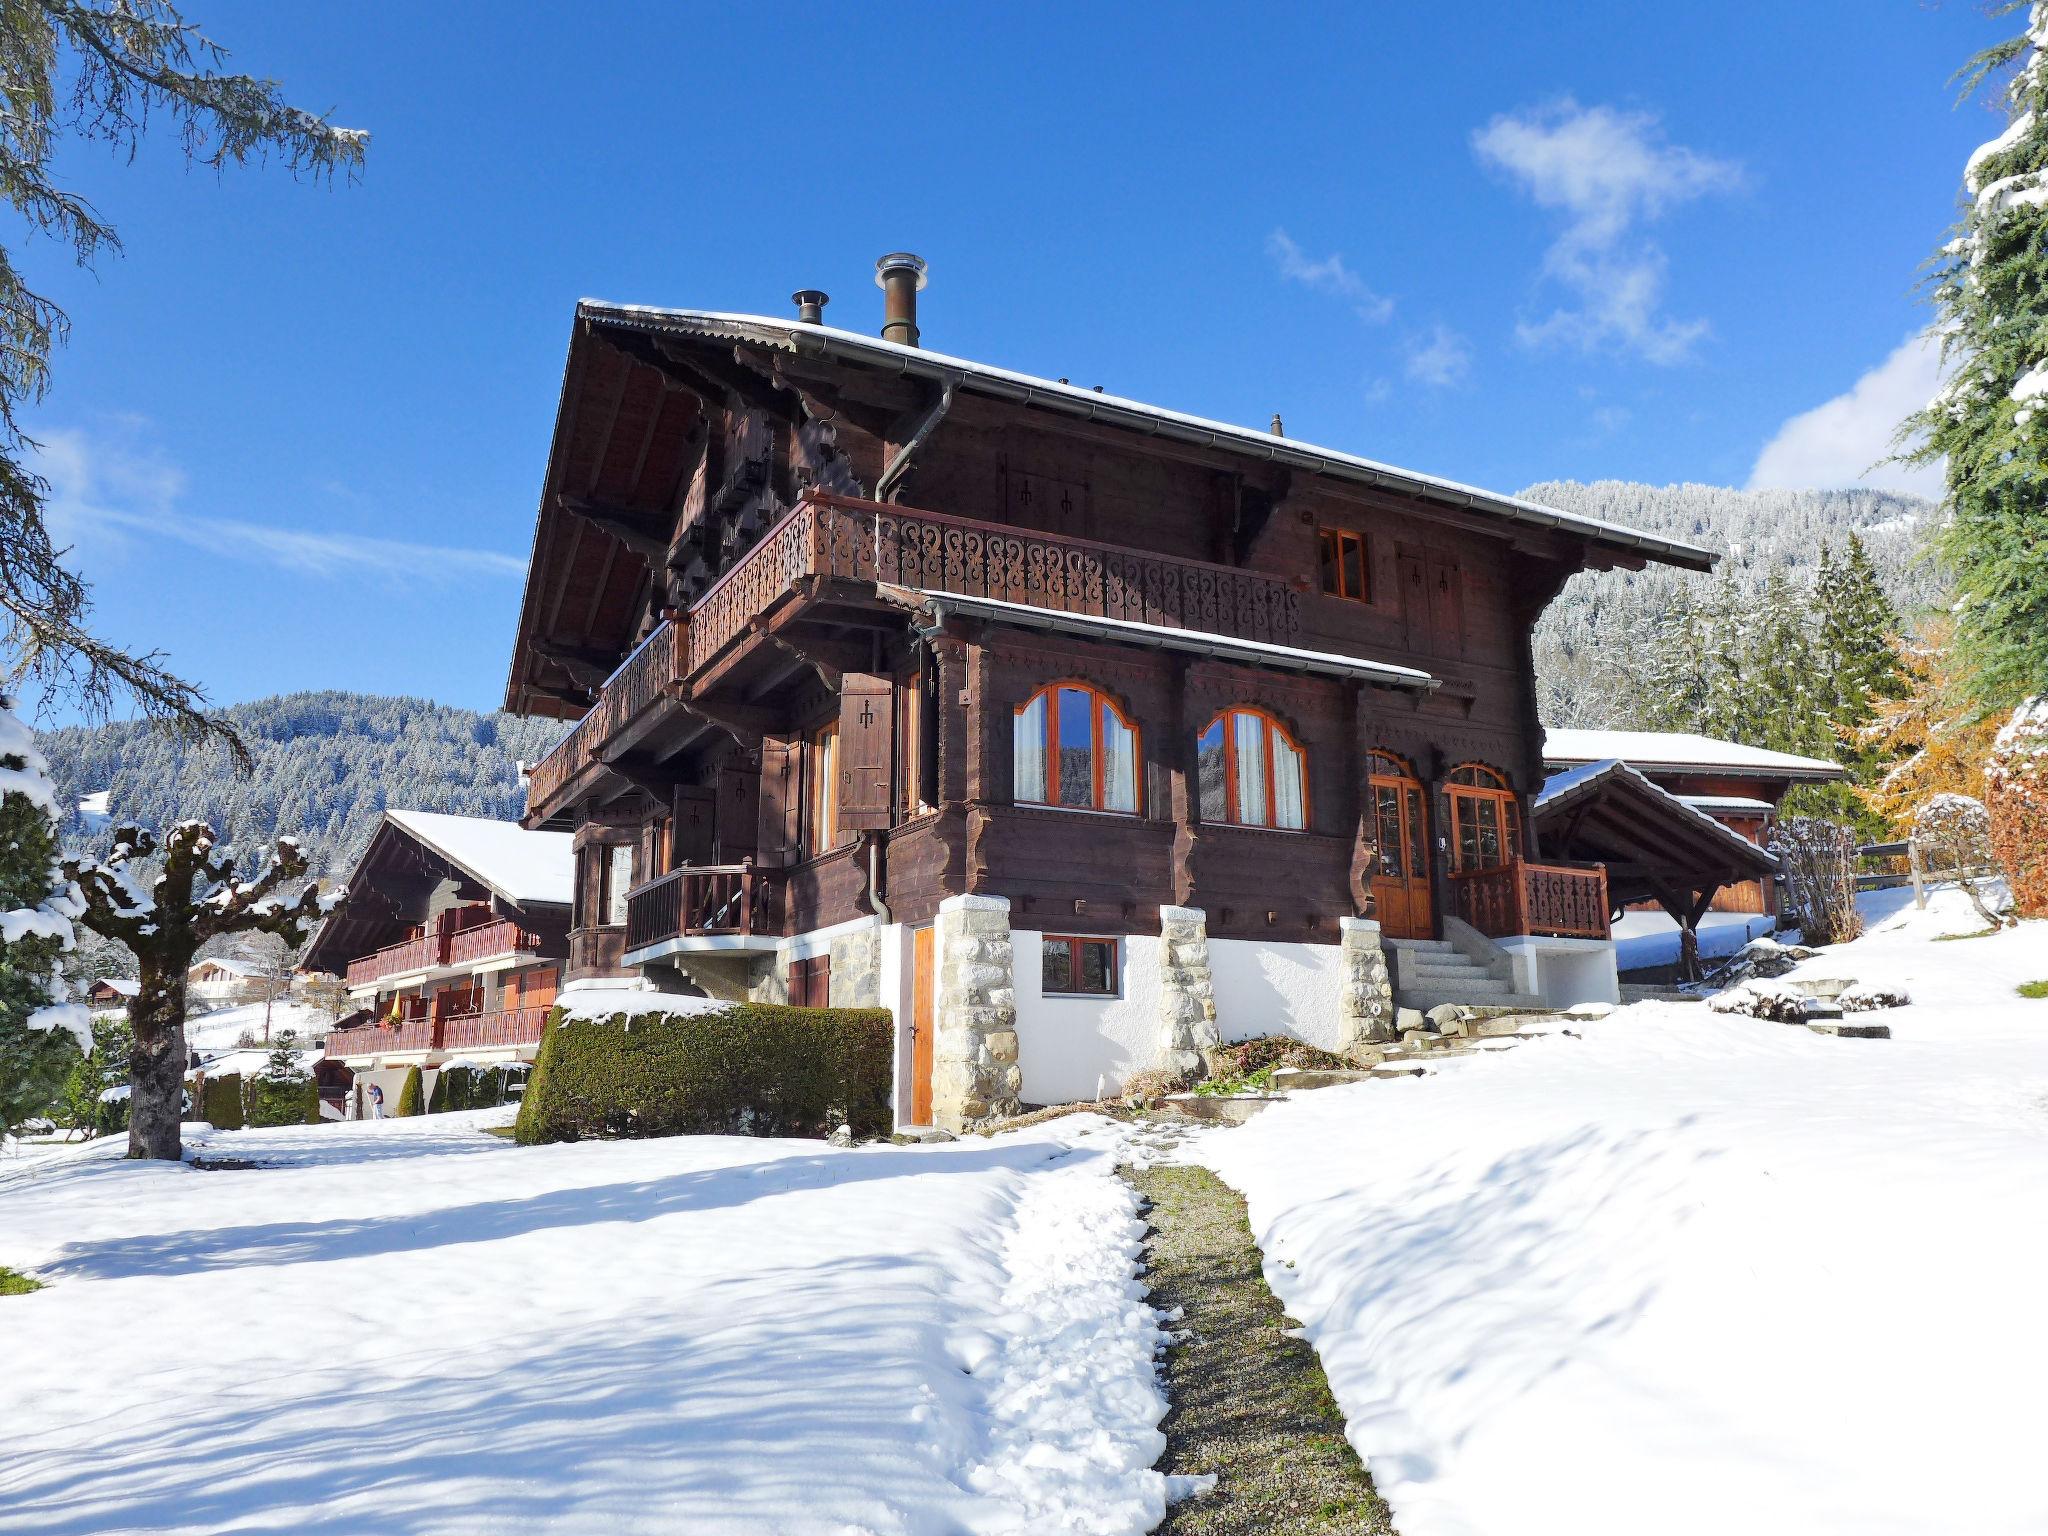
(1167,637)
(224,963)
(1563,786)
(1680,749)
(1726,803)
(119,984)
(1071,399)
(525,868)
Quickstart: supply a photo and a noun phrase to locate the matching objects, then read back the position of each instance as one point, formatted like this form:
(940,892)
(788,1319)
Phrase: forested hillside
(1595,643)
(327,765)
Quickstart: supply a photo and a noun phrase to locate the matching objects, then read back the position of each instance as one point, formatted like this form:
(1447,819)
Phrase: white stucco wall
(1278,989)
(1068,1046)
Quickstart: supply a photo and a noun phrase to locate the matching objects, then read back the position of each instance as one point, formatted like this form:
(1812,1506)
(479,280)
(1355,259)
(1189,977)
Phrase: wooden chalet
(1076,731)
(451,939)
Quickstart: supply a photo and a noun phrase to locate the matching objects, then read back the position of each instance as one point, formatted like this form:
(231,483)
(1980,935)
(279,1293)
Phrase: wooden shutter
(810,982)
(867,750)
(1414,578)
(738,821)
(1446,606)
(781,802)
(693,830)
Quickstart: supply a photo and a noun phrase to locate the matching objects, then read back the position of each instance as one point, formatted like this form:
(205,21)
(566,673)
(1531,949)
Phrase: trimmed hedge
(271,1103)
(412,1098)
(751,1069)
(470,1088)
(220,1102)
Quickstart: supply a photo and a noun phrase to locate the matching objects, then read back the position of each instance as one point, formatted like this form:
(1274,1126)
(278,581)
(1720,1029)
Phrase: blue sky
(299,432)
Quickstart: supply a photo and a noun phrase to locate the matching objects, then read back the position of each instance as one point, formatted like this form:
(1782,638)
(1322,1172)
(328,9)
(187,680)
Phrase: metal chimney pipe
(900,275)
(810,305)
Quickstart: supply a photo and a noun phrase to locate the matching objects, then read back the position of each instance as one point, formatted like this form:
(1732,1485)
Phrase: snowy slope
(1691,1273)
(437,1331)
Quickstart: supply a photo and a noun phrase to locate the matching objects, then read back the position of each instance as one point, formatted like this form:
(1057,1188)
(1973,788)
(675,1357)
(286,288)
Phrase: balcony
(728,899)
(466,946)
(468,1031)
(838,538)
(1566,901)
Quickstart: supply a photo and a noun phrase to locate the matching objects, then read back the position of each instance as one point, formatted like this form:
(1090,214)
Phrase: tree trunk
(156,1068)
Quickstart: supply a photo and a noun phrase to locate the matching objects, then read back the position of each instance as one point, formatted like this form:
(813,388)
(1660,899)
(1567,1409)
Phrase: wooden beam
(629,527)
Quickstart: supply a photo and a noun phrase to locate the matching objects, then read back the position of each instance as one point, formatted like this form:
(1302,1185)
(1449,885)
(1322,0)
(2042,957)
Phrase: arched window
(1251,772)
(1073,747)
(1486,819)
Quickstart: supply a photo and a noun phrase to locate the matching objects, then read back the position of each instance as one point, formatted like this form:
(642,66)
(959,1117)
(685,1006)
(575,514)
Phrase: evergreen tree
(1858,628)
(75,69)
(278,1094)
(1990,421)
(194,897)
(42,1034)
(104,1068)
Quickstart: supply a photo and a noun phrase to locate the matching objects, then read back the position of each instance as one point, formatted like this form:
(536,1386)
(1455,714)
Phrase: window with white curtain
(1073,747)
(1251,772)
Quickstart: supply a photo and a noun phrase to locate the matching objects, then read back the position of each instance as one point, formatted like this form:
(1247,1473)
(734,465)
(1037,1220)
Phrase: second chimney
(810,305)
(900,275)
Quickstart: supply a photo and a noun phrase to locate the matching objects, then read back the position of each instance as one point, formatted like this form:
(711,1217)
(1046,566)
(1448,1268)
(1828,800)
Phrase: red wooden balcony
(382,1039)
(703,899)
(486,941)
(1566,901)
(466,946)
(468,1031)
(408,955)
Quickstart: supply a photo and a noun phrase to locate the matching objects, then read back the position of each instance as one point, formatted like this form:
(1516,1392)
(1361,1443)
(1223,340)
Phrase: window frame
(1330,546)
(1049,750)
(1072,942)
(1270,723)
(821,791)
(1467,787)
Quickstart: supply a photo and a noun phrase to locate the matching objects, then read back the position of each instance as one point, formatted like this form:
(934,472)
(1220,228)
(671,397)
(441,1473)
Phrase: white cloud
(1440,357)
(1606,172)
(111,490)
(1842,441)
(1329,275)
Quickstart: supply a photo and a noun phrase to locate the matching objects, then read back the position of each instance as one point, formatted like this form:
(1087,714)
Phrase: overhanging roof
(1067,399)
(1608,811)
(1163,637)
(1683,752)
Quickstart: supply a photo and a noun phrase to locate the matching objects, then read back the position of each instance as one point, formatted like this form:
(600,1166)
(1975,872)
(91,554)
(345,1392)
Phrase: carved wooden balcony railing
(703,899)
(500,937)
(639,681)
(1567,901)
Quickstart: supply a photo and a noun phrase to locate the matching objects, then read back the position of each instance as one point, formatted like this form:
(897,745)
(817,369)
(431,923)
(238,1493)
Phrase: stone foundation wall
(1368,999)
(1187,994)
(975,1075)
(857,969)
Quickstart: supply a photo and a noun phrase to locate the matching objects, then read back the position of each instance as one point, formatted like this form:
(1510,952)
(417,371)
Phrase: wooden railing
(702,899)
(500,937)
(377,1039)
(407,955)
(631,690)
(468,1031)
(1558,900)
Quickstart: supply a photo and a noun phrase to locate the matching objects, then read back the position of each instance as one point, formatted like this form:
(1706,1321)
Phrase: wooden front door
(1400,881)
(923,1025)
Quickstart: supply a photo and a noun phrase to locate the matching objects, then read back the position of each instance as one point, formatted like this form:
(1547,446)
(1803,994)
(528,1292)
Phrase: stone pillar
(1187,995)
(975,1076)
(857,969)
(1368,996)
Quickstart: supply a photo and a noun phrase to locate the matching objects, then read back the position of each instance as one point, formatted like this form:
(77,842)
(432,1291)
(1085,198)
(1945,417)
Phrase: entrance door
(1400,881)
(924,979)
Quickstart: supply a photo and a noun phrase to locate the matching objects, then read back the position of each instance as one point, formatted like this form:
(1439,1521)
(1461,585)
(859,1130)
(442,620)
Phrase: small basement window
(1345,572)
(1076,967)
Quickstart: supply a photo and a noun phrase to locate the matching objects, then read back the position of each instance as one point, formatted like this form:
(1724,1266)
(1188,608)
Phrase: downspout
(900,464)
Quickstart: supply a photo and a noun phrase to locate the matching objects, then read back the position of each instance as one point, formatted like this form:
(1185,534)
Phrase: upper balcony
(836,537)
(431,951)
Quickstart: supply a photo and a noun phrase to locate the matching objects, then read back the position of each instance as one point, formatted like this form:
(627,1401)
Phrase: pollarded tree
(41,1033)
(194,897)
(1990,421)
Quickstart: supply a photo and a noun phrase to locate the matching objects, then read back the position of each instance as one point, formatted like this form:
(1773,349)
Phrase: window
(1345,571)
(618,876)
(810,982)
(1486,819)
(1073,747)
(1251,772)
(821,803)
(1076,967)
(912,793)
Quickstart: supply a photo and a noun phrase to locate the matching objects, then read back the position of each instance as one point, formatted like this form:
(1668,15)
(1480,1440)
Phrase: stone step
(1422,946)
(1458,989)
(1302,1079)
(1445,965)
(1848,1031)
(1656,992)
(1220,1109)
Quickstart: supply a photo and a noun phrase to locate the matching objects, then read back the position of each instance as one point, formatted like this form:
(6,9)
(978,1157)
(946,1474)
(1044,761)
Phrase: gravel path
(1249,1403)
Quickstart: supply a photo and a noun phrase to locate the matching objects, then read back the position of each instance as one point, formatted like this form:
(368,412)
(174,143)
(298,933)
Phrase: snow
(433,1329)
(523,867)
(1728,803)
(1676,749)
(251,1061)
(2016,130)
(1691,1272)
(220,1030)
(1559,786)
(2031,383)
(1645,939)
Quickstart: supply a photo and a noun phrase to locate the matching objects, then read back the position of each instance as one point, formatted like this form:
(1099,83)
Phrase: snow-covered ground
(411,1325)
(1644,939)
(1692,1272)
(224,1028)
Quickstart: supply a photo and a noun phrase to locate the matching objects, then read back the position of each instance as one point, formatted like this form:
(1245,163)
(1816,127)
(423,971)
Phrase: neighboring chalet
(220,981)
(1739,786)
(1072,729)
(112,992)
(451,940)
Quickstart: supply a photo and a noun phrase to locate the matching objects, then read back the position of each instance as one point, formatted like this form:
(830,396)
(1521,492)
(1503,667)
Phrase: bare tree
(195,897)
(99,71)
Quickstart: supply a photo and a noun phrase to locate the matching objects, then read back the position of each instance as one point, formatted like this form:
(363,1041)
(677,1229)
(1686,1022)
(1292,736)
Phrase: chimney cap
(899,261)
(810,296)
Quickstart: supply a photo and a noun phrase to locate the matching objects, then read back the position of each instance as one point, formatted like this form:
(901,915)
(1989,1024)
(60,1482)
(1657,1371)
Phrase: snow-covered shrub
(1764,1000)
(1952,836)
(1759,957)
(750,1069)
(1864,997)
(284,1092)
(2016,797)
(1819,862)
(42,1034)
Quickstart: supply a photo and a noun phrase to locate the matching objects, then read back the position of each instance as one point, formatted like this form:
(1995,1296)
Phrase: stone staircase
(1429,972)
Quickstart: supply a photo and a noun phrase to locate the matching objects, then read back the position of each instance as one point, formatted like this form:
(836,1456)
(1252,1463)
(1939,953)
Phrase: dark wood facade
(796,590)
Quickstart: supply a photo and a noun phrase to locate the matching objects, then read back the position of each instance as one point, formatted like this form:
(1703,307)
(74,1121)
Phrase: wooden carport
(1655,846)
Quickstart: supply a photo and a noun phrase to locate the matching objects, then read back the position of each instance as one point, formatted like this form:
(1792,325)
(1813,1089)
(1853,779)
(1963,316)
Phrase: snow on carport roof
(523,867)
(1680,749)
(1562,789)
